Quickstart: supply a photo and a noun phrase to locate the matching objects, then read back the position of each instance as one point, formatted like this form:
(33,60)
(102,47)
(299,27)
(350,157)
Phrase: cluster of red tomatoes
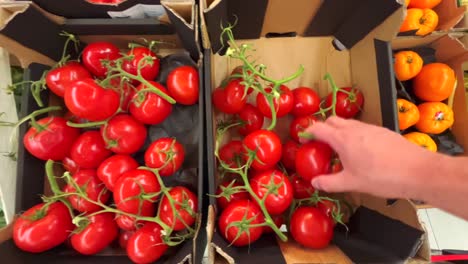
(265,181)
(113,94)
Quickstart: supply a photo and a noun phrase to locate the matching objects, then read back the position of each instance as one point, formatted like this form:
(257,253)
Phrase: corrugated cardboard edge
(206,44)
(183,10)
(6,233)
(450,14)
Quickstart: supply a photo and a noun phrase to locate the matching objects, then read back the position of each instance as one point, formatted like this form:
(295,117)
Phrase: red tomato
(183,200)
(165,154)
(228,195)
(328,207)
(275,203)
(278,220)
(94,53)
(306,102)
(86,99)
(124,237)
(235,213)
(182,84)
(92,186)
(311,228)
(146,245)
(113,168)
(149,70)
(89,150)
(232,154)
(266,145)
(128,223)
(313,159)
(302,189)
(347,105)
(288,158)
(69,116)
(230,100)
(130,186)
(60,78)
(336,166)
(70,165)
(283,105)
(98,234)
(252,119)
(148,107)
(38,231)
(52,141)
(299,124)
(124,134)
(126,91)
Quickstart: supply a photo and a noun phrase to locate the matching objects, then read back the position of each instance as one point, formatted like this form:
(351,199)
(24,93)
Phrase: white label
(139,11)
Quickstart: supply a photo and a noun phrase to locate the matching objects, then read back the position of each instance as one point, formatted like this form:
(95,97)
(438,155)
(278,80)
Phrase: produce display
(420,17)
(424,112)
(118,165)
(265,182)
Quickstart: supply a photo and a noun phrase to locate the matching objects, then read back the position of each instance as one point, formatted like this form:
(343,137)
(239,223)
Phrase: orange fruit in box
(407,65)
(435,82)
(408,114)
(421,139)
(434,117)
(424,3)
(423,20)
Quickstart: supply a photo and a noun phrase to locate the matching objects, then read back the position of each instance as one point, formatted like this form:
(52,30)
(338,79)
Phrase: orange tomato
(407,65)
(423,20)
(424,3)
(408,114)
(421,139)
(407,2)
(435,82)
(435,117)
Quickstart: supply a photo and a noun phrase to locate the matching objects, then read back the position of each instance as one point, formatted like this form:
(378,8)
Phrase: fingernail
(315,184)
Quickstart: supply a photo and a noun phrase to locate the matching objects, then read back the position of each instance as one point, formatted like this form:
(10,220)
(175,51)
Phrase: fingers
(336,122)
(338,182)
(327,133)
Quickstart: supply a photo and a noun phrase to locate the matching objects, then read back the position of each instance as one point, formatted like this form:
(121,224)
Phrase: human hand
(375,160)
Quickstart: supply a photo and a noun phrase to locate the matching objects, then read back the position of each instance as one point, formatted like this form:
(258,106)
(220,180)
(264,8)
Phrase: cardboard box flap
(348,21)
(450,14)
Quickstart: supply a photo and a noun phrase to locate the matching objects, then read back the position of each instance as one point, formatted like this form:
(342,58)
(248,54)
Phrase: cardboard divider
(450,14)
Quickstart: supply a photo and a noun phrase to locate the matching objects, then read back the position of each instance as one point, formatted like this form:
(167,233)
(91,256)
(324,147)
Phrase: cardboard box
(32,37)
(352,41)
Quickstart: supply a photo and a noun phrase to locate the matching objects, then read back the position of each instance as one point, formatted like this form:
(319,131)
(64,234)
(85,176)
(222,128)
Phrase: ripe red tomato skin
(252,118)
(267,146)
(151,109)
(113,168)
(182,84)
(218,97)
(327,207)
(283,105)
(155,158)
(43,234)
(299,124)
(313,159)
(86,99)
(344,107)
(275,203)
(52,143)
(93,53)
(288,157)
(302,189)
(230,100)
(311,228)
(278,220)
(146,244)
(125,133)
(235,212)
(306,101)
(89,150)
(231,153)
(223,202)
(124,236)
(94,190)
(100,233)
(70,165)
(179,194)
(148,72)
(130,185)
(128,223)
(60,78)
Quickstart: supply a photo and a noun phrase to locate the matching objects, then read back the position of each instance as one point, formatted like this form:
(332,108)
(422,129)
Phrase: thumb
(331,182)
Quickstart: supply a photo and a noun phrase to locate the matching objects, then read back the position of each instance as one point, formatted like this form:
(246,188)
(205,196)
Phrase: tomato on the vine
(182,84)
(301,188)
(313,159)
(281,193)
(70,165)
(165,154)
(229,195)
(185,204)
(59,79)
(328,207)
(113,168)
(278,220)
(92,187)
(95,53)
(124,134)
(349,102)
(42,228)
(251,118)
(89,150)
(148,107)
(232,154)
(231,99)
(282,105)
(231,227)
(129,223)
(146,245)
(288,157)
(51,139)
(299,124)
(267,148)
(99,233)
(138,61)
(310,227)
(124,236)
(306,102)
